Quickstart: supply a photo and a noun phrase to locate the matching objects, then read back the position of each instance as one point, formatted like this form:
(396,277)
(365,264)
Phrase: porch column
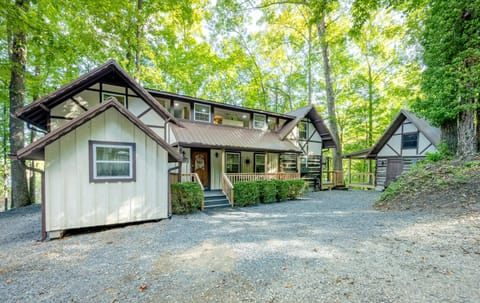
(266,163)
(349,171)
(299,164)
(223,162)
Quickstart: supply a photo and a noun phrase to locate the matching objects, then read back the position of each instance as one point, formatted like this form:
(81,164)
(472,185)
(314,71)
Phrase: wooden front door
(394,169)
(200,166)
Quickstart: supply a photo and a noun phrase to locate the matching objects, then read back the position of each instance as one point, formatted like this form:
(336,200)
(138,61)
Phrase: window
(233,163)
(120,98)
(259,121)
(409,141)
(260,163)
(272,123)
(302,130)
(202,112)
(111,161)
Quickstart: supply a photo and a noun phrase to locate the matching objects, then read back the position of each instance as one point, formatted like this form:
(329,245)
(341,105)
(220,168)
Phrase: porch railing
(188,177)
(361,180)
(227,188)
(257,177)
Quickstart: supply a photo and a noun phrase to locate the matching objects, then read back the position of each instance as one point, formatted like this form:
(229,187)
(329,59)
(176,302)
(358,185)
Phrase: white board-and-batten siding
(73,202)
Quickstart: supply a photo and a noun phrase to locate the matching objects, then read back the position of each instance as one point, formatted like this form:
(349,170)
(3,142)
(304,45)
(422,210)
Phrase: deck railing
(188,177)
(361,180)
(332,179)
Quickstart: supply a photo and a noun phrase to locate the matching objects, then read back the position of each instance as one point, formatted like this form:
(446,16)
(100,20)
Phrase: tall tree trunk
(332,115)
(370,107)
(309,65)
(449,135)
(138,37)
(478,128)
(18,60)
(467,141)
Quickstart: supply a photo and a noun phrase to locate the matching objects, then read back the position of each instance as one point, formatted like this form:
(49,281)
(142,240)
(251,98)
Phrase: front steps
(215,199)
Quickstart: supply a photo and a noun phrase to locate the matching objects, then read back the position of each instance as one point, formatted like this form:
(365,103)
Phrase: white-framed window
(302,130)
(111,161)
(120,98)
(202,112)
(260,163)
(232,165)
(259,121)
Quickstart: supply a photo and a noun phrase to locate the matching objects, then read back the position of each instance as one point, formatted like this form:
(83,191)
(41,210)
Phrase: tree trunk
(467,141)
(449,135)
(478,129)
(370,107)
(337,152)
(138,37)
(18,59)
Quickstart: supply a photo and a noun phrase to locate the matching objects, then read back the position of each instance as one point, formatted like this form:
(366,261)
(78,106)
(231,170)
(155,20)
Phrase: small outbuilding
(105,167)
(407,140)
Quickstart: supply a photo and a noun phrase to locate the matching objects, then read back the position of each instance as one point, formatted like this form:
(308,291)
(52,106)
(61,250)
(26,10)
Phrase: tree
(17,38)
(451,81)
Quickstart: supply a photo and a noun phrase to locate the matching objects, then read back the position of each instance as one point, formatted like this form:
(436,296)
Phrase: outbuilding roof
(37,112)
(311,113)
(35,151)
(433,134)
(199,134)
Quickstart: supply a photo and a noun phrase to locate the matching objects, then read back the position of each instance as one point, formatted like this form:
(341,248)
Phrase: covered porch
(360,170)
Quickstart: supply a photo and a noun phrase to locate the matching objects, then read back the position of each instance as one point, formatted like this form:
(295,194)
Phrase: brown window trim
(133,178)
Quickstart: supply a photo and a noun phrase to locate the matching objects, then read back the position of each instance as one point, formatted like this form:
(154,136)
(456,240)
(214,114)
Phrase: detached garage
(104,167)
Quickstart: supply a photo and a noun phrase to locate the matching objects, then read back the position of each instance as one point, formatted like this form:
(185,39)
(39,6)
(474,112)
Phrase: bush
(295,188)
(246,194)
(267,191)
(186,197)
(282,190)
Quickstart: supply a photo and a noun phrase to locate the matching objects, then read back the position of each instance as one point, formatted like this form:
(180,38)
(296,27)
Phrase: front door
(394,169)
(200,166)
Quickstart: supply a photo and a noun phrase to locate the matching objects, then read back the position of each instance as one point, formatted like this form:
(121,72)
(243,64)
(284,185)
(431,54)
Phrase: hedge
(267,191)
(246,193)
(296,188)
(186,197)
(282,190)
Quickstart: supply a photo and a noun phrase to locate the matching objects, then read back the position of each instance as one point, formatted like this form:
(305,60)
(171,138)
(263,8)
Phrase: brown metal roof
(198,134)
(432,133)
(311,113)
(37,112)
(35,151)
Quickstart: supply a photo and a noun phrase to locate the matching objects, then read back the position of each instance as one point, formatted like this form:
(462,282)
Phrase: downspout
(42,176)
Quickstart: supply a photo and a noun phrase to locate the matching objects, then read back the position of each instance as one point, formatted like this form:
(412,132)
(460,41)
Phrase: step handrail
(227,188)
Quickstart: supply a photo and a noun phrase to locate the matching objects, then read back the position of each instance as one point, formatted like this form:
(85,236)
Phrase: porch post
(299,164)
(223,162)
(349,171)
(266,163)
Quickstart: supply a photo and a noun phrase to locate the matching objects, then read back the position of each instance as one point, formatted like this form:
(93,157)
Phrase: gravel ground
(327,247)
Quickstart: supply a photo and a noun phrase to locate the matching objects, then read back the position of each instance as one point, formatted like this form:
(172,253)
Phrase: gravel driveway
(328,247)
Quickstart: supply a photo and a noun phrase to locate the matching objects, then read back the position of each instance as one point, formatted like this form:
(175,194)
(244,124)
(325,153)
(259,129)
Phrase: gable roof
(311,113)
(35,151)
(37,112)
(200,134)
(431,133)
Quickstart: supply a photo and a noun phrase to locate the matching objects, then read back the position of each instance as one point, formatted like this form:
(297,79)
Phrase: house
(111,146)
(407,140)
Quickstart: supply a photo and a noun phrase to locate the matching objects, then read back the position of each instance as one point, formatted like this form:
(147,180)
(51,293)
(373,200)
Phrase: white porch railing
(227,188)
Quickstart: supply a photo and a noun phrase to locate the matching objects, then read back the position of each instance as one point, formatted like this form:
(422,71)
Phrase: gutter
(14,157)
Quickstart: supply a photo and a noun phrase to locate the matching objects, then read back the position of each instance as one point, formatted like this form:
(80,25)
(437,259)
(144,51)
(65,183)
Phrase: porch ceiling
(198,134)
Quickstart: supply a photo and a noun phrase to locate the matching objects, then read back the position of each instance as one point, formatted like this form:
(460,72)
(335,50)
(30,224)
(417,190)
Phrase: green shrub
(441,154)
(186,197)
(295,189)
(246,193)
(267,191)
(282,190)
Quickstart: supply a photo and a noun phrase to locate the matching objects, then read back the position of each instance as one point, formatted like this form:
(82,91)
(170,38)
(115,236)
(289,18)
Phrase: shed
(104,167)
(407,140)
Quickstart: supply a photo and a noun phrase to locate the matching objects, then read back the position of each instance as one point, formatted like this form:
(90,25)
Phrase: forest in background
(358,61)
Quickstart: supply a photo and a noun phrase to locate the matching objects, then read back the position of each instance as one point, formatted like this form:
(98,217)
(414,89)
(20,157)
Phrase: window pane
(302,130)
(259,121)
(113,169)
(202,112)
(112,153)
(120,98)
(409,140)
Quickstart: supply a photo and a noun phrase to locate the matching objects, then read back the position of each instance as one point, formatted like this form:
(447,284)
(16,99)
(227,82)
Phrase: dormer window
(259,121)
(302,130)
(202,112)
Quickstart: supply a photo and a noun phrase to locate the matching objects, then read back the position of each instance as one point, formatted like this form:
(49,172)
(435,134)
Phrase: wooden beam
(79,104)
